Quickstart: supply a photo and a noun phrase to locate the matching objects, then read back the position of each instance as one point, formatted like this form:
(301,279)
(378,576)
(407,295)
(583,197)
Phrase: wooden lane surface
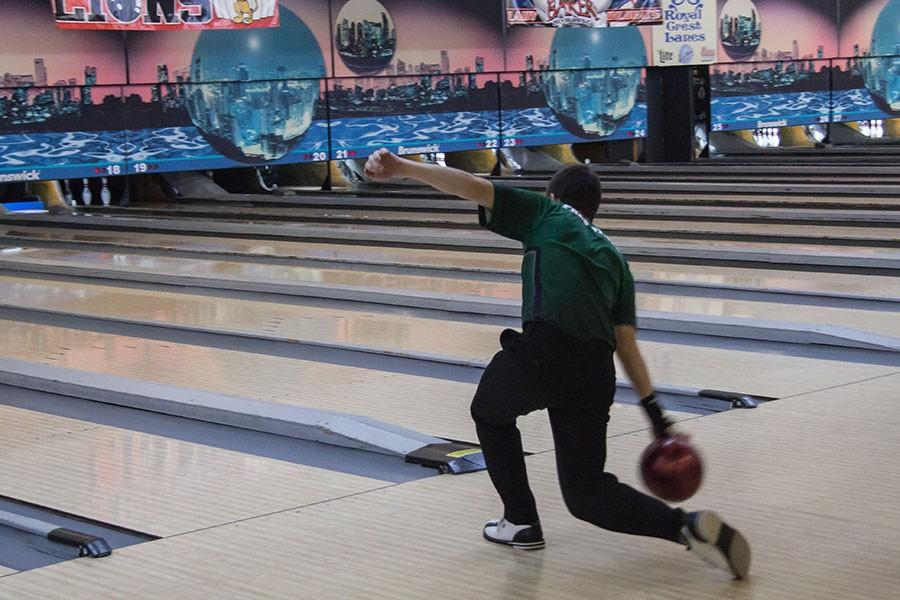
(887,200)
(465,213)
(686,195)
(431,406)
(339,253)
(150,483)
(372,545)
(644,272)
(871,286)
(30,429)
(387,396)
(616,226)
(112,265)
(819,243)
(378,330)
(663,172)
(738,186)
(464,240)
(431,200)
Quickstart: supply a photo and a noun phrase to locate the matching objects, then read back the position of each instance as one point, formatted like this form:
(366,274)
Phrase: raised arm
(630,355)
(383,165)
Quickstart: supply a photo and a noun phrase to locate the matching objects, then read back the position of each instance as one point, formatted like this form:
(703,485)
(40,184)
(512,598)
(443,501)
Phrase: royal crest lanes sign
(687,35)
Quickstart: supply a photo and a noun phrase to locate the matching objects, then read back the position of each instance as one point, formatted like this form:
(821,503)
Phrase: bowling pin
(105,195)
(86,193)
(70,199)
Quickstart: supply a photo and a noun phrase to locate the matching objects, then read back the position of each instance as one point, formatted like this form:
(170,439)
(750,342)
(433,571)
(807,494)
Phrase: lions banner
(165,14)
(583,13)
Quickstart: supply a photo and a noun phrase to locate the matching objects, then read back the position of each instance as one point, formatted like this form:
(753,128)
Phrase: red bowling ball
(671,468)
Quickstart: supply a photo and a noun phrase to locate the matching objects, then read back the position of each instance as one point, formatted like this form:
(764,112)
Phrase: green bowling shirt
(572,275)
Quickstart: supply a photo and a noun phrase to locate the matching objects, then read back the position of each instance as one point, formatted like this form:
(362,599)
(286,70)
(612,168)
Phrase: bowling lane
(336,252)
(812,230)
(774,199)
(149,483)
(875,322)
(871,286)
(468,343)
(610,197)
(109,264)
(20,433)
(399,332)
(369,210)
(617,226)
(465,240)
(380,538)
(259,214)
(431,406)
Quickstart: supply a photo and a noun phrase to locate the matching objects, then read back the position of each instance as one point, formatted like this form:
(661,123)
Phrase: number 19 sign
(165,14)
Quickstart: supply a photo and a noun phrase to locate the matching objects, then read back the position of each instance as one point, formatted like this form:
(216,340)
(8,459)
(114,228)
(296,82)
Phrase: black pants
(575,381)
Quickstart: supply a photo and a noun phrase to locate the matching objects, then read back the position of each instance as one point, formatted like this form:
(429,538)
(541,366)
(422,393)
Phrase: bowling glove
(655,413)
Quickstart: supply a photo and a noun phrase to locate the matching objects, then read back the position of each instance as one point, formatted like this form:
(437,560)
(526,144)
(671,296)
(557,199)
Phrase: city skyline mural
(867,83)
(175,49)
(346,76)
(32,36)
(365,36)
(775,70)
(393,30)
(765,30)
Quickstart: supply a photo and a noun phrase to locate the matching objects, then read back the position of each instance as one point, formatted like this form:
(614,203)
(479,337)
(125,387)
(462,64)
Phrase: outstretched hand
(383,165)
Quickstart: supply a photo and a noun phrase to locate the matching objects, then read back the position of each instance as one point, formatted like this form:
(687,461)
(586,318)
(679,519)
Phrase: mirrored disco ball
(882,74)
(270,80)
(594,77)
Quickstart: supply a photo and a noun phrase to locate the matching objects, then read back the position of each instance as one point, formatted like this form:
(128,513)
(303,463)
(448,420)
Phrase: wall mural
(799,62)
(867,78)
(411,88)
(571,85)
(340,78)
(778,74)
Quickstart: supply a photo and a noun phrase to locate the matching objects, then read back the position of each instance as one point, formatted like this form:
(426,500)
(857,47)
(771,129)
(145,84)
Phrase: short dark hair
(579,187)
